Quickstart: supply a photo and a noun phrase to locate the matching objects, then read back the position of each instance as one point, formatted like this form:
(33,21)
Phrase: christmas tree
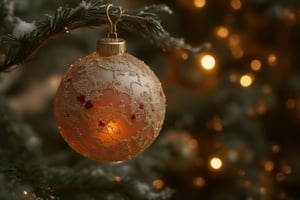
(232,89)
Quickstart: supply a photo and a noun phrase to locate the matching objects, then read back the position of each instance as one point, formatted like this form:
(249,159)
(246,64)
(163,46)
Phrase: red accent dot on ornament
(161,93)
(133,117)
(101,123)
(141,106)
(81,98)
(88,104)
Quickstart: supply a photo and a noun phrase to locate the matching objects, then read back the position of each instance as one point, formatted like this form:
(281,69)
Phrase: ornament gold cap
(111,46)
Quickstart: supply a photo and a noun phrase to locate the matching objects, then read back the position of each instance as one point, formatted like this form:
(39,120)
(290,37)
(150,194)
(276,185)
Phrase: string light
(290,104)
(251,111)
(66,29)
(33,141)
(236,4)
(275,148)
(280,177)
(117,178)
(246,80)
(222,32)
(247,184)
(234,40)
(199,182)
(184,55)
(208,62)
(262,190)
(255,65)
(287,14)
(287,169)
(272,59)
(233,78)
(215,163)
(269,166)
(193,143)
(241,172)
(261,107)
(234,44)
(158,184)
(232,155)
(266,89)
(25,192)
(237,52)
(199,3)
(282,195)
(215,124)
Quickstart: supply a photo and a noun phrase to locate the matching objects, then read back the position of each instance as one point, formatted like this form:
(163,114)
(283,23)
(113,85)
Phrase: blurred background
(232,126)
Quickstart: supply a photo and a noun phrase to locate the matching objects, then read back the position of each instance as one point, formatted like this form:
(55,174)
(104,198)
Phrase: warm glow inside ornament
(109,106)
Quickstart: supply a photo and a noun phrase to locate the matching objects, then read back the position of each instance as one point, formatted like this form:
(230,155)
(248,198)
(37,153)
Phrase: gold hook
(113,25)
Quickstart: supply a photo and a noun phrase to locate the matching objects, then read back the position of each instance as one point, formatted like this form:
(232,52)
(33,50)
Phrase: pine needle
(144,21)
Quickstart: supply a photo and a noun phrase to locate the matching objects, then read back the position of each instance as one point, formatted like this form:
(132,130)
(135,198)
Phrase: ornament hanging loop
(112,45)
(113,24)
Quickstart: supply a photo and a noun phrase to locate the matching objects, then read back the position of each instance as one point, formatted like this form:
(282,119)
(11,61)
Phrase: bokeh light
(234,40)
(222,32)
(236,4)
(275,148)
(237,52)
(280,177)
(269,166)
(199,182)
(272,59)
(291,104)
(158,184)
(287,169)
(267,89)
(208,62)
(246,80)
(255,65)
(215,163)
(117,178)
(199,3)
(233,78)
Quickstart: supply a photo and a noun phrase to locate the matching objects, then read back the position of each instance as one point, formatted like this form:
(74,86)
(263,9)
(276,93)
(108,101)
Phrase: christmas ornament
(109,106)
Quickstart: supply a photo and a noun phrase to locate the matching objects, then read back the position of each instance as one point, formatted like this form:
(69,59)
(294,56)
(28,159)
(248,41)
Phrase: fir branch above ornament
(144,21)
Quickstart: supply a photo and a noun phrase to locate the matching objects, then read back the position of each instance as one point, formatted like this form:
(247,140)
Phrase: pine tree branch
(144,21)
(23,167)
(97,181)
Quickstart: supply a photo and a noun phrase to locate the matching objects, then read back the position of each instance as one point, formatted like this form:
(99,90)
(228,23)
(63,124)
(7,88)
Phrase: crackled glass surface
(109,108)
